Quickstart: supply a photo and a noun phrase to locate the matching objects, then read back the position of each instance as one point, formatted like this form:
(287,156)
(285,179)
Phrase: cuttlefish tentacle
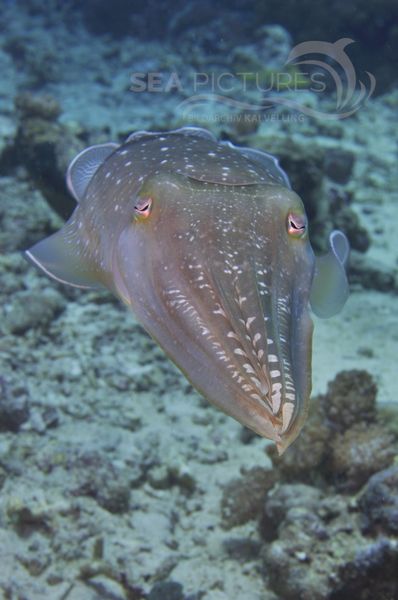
(208,246)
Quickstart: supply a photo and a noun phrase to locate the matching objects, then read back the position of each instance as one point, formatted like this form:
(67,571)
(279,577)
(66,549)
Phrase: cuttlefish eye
(296,225)
(143,206)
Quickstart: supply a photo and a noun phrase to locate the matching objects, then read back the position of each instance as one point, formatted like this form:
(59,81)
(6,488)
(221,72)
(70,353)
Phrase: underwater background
(117,480)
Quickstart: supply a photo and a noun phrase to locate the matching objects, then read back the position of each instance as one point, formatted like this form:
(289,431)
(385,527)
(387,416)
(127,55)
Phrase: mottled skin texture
(210,271)
(225,293)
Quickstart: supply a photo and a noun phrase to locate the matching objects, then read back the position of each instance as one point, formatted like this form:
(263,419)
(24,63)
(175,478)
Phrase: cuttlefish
(208,245)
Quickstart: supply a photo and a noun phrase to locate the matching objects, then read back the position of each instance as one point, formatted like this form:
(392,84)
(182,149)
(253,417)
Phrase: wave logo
(325,65)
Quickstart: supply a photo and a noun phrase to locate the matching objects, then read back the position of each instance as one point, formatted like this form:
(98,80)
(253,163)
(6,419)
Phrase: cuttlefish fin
(188,130)
(330,289)
(63,258)
(268,161)
(84,165)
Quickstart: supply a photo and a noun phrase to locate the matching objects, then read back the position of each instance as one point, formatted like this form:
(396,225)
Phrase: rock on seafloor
(328,516)
(334,535)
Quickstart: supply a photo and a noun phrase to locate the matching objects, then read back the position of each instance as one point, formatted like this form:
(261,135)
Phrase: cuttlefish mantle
(208,246)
